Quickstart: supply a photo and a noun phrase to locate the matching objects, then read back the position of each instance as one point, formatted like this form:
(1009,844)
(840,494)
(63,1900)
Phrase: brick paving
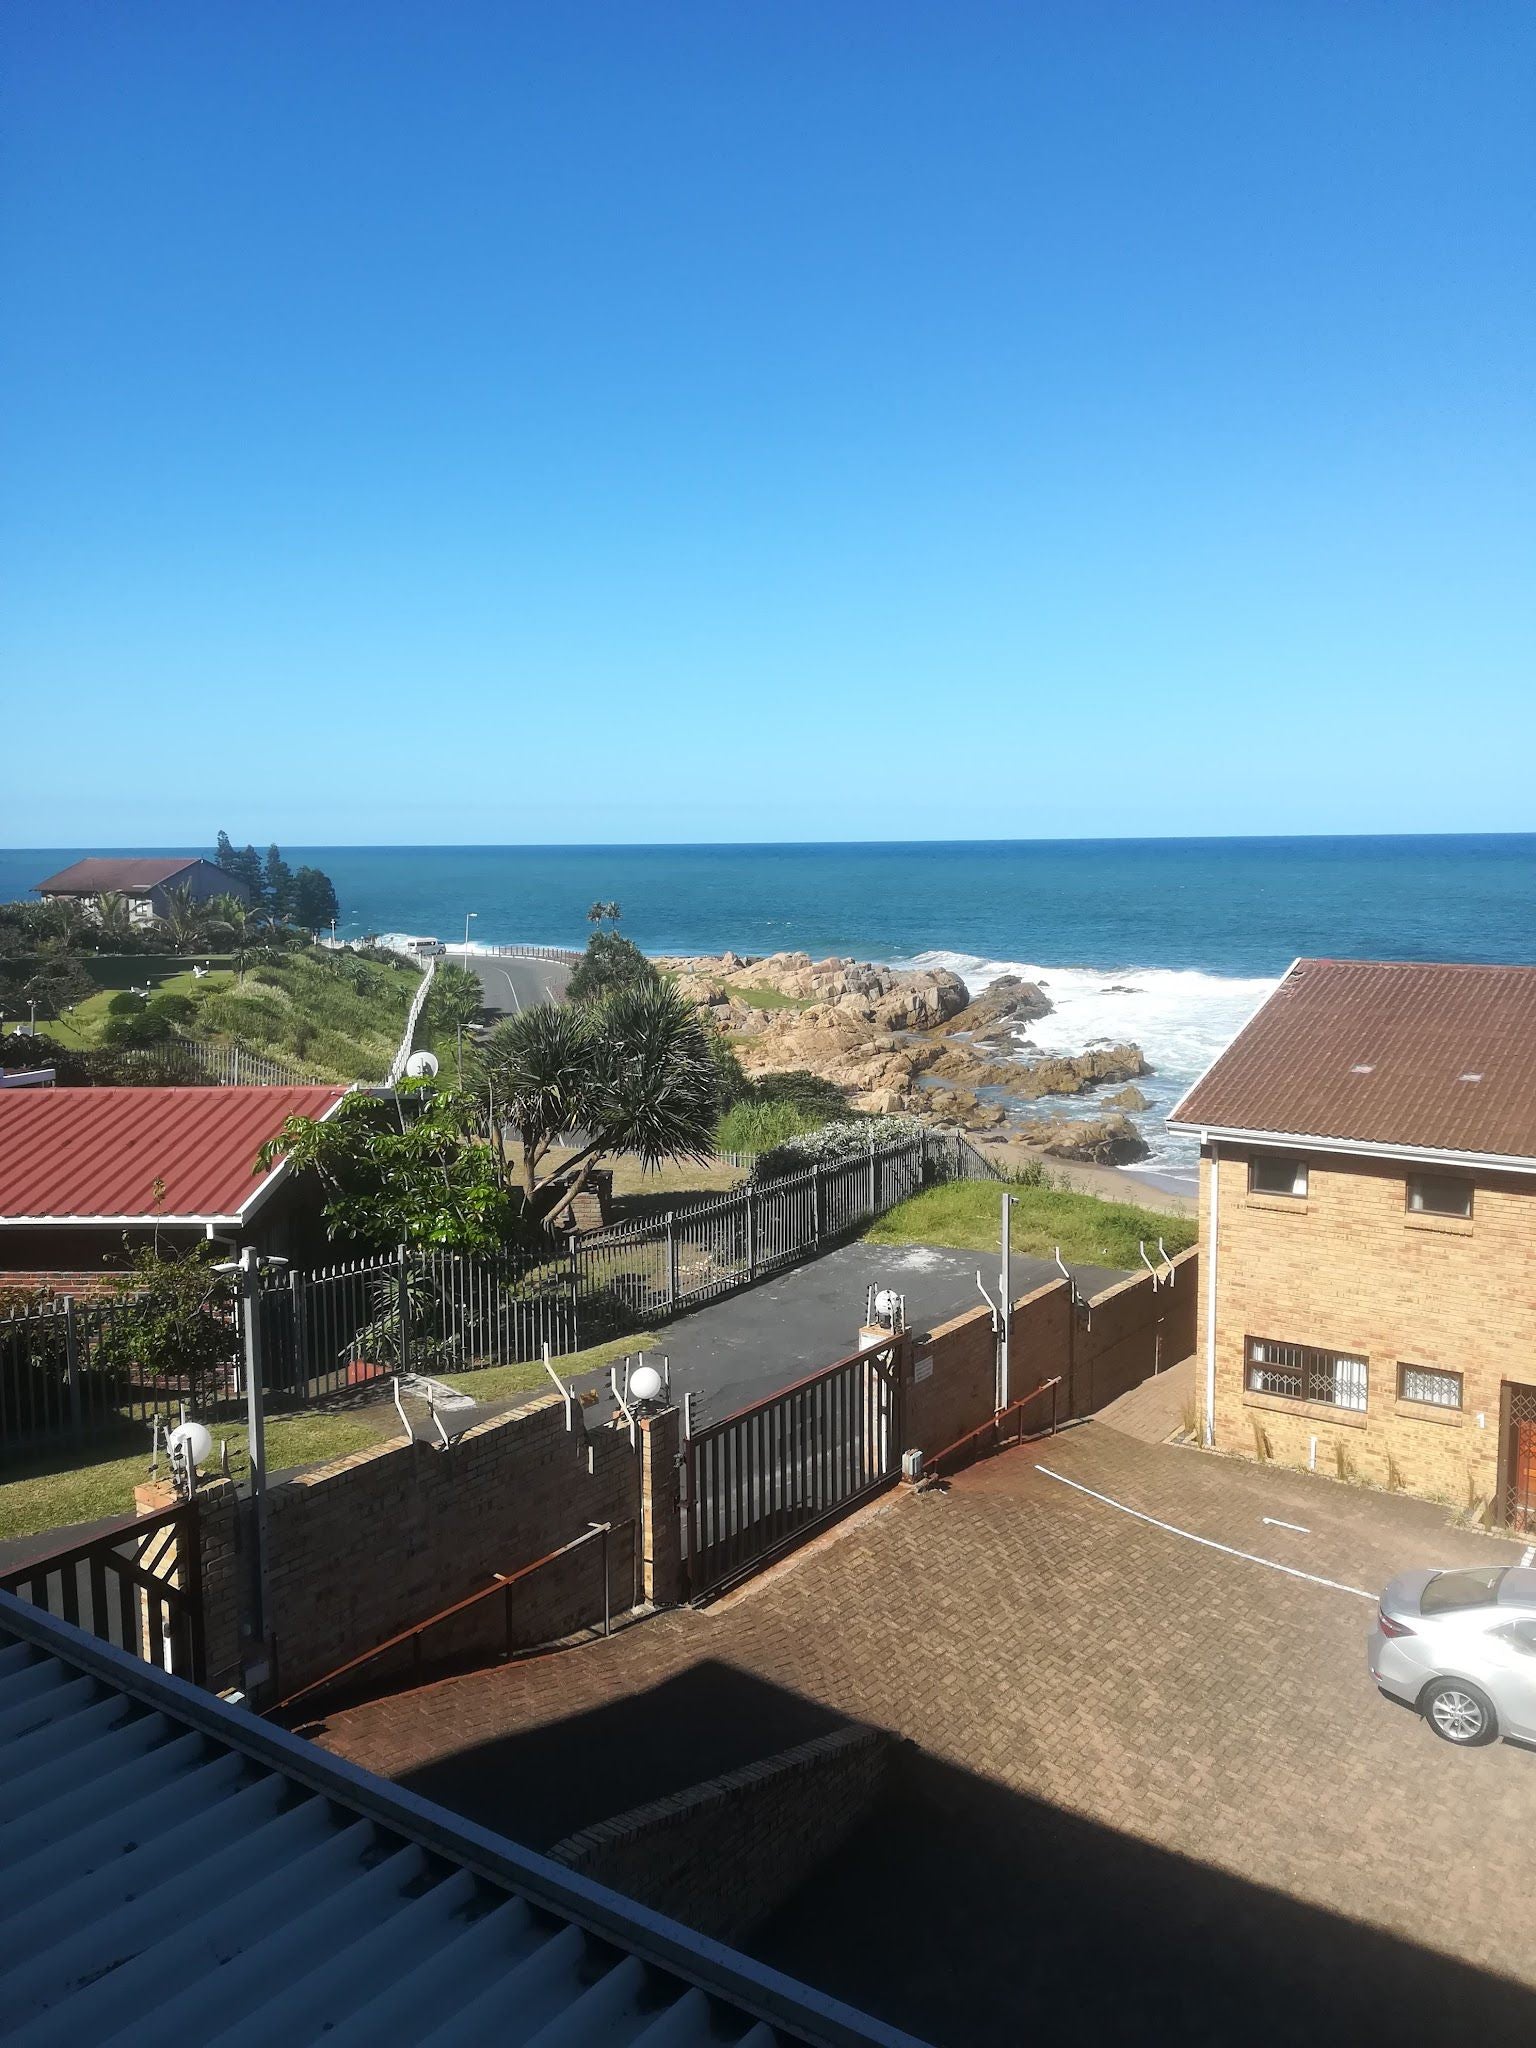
(1149,1786)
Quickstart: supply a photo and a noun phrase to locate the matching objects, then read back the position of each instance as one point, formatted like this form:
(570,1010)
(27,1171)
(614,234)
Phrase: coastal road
(513,985)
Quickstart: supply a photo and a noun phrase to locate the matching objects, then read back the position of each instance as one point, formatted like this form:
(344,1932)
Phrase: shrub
(759,1126)
(174,1007)
(138,1029)
(834,1142)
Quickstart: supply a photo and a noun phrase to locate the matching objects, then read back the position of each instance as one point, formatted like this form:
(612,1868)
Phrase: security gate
(771,1475)
(1520,1459)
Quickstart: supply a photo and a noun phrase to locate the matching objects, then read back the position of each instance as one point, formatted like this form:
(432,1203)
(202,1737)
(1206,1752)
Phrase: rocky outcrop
(1127,1098)
(893,1039)
(1100,1140)
(1001,1008)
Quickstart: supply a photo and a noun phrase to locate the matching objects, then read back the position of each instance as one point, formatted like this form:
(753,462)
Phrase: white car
(1460,1646)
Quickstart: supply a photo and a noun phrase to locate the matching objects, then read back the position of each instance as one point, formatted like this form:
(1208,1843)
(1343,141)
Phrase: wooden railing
(138,1586)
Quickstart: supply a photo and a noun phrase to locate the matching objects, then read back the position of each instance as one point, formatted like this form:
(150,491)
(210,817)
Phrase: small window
(1435,1389)
(1271,1173)
(1439,1194)
(1297,1372)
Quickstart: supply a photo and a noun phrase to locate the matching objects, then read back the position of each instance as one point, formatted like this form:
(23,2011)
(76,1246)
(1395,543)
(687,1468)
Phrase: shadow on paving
(976,1916)
(543,1783)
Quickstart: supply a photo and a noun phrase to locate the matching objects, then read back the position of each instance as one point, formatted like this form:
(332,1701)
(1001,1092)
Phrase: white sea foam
(1179,1017)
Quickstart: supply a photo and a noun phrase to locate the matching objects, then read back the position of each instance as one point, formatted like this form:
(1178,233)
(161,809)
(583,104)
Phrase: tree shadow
(977,1916)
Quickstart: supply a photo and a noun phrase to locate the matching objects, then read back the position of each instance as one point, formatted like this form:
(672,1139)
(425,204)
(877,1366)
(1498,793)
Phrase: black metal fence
(93,1370)
(138,1586)
(648,1271)
(771,1475)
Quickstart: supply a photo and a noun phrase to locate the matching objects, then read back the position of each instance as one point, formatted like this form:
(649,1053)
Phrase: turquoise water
(1172,943)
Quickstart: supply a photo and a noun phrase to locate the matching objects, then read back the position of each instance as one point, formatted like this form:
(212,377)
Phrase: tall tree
(277,884)
(314,899)
(244,864)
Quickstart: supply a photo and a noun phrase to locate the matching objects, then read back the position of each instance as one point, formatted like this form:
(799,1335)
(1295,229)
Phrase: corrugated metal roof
(1403,1054)
(81,1154)
(101,874)
(172,1869)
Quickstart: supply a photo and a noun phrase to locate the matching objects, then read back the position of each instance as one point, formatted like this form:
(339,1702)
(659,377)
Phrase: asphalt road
(513,985)
(752,1344)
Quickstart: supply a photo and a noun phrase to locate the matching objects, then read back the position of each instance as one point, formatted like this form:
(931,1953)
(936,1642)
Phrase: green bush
(170,1004)
(125,1004)
(135,1030)
(758,1126)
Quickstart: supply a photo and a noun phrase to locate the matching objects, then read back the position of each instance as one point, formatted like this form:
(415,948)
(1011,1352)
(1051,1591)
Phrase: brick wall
(365,1547)
(1347,1269)
(1099,1351)
(721,1855)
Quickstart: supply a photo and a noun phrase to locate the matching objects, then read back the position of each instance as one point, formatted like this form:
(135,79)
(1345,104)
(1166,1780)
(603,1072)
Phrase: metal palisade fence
(101,1370)
(651,1270)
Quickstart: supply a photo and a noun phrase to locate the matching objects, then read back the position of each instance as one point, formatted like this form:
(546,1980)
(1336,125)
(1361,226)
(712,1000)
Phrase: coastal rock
(1100,1141)
(1073,1073)
(1129,1097)
(1007,1003)
(960,1106)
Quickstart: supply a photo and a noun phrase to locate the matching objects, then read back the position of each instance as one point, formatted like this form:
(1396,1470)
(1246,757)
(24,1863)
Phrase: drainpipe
(1211,1253)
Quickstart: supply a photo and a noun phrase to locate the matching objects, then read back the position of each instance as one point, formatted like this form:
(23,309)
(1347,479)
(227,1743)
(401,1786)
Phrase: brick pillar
(156,1497)
(218,1522)
(661,1527)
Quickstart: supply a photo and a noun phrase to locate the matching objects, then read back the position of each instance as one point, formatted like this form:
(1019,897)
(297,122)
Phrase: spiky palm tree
(236,923)
(632,1073)
(113,916)
(184,920)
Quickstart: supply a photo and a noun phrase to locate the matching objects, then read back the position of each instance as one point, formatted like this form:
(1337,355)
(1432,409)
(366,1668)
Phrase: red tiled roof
(79,1154)
(1421,1057)
(97,876)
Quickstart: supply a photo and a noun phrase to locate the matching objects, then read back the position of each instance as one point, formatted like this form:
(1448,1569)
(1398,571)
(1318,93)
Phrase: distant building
(88,1172)
(143,882)
(1368,1230)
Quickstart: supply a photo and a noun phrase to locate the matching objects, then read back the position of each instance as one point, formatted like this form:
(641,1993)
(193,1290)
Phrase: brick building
(1368,1230)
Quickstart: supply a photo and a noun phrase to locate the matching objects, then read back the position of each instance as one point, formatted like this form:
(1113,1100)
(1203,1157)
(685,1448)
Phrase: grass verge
(74,1487)
(1090,1231)
(769,998)
(498,1382)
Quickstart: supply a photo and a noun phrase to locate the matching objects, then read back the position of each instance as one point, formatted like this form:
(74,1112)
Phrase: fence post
(236,1065)
(248,1280)
(403,1307)
(671,1258)
(751,1231)
(72,1359)
(874,1179)
(922,1155)
(298,1323)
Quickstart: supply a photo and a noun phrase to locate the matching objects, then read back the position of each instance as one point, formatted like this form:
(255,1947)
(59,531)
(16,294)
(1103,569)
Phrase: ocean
(1170,942)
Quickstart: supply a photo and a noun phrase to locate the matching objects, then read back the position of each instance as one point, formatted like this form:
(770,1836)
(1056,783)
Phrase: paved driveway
(747,1347)
(1146,1791)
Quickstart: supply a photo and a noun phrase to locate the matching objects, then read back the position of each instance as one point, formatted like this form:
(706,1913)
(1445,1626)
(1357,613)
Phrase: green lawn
(965,1214)
(496,1382)
(53,1492)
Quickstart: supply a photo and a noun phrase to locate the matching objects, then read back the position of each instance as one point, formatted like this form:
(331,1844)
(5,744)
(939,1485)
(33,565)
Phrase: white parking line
(1530,1555)
(1207,1542)
(1274,1522)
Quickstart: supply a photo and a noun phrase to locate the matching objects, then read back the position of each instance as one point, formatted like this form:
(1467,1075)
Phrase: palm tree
(184,920)
(631,1073)
(241,922)
(113,916)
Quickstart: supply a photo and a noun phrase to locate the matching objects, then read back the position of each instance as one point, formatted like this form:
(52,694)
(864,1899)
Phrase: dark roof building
(175,1869)
(144,880)
(1400,1057)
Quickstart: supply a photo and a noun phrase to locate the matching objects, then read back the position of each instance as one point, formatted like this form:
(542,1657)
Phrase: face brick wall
(366,1547)
(1098,1351)
(721,1855)
(1346,1269)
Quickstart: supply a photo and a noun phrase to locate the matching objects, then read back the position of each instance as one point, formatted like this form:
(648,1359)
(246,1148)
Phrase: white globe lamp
(645,1384)
(190,1440)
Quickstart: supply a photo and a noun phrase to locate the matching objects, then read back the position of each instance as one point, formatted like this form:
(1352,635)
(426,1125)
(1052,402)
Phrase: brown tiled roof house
(1368,1231)
(144,879)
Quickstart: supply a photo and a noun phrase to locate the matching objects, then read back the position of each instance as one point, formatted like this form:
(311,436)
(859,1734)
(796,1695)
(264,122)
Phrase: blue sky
(538,422)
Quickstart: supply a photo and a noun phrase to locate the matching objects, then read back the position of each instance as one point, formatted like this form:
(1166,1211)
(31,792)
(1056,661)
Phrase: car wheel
(1459,1713)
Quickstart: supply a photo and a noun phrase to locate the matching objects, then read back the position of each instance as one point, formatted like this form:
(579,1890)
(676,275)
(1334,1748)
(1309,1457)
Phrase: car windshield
(1449,1592)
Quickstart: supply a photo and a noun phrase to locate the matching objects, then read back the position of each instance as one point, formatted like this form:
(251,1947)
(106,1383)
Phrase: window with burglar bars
(1297,1372)
(1421,1383)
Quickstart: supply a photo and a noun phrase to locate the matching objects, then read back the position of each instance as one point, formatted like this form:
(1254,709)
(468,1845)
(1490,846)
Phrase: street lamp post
(467,916)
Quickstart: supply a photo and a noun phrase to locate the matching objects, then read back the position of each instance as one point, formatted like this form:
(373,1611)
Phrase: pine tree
(277,884)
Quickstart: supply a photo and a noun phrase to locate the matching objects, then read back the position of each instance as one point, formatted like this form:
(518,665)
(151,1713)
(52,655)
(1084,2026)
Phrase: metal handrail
(504,1582)
(1016,1408)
